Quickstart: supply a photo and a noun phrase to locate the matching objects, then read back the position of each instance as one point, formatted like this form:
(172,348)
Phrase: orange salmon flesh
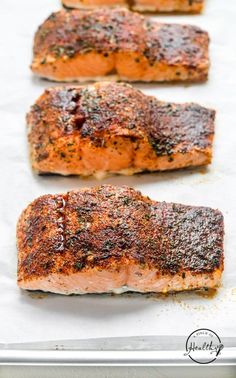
(127,132)
(74,45)
(165,6)
(110,239)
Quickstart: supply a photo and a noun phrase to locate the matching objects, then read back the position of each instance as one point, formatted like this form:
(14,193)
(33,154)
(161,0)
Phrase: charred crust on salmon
(124,128)
(194,125)
(73,45)
(109,228)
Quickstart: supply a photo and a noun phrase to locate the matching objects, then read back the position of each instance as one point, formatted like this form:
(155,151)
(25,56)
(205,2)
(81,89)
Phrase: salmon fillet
(188,6)
(73,45)
(110,128)
(110,239)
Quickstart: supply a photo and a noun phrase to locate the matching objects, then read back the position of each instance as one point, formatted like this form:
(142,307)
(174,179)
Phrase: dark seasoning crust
(68,32)
(117,109)
(105,227)
(105,31)
(182,125)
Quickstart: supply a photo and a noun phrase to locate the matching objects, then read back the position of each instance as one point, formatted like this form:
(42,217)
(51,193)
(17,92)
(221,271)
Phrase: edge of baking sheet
(130,351)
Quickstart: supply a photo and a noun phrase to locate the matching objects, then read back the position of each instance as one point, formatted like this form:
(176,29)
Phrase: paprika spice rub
(73,45)
(111,239)
(113,128)
(165,6)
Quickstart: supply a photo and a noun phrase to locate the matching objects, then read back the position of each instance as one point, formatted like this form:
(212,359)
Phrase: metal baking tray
(132,351)
(128,329)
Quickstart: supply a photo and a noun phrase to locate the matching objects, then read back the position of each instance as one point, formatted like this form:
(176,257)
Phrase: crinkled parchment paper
(28,317)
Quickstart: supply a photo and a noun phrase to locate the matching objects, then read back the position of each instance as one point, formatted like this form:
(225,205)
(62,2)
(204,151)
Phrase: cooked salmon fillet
(188,6)
(74,45)
(110,239)
(113,128)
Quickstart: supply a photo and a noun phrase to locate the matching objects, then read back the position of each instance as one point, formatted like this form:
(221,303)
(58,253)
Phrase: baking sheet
(31,317)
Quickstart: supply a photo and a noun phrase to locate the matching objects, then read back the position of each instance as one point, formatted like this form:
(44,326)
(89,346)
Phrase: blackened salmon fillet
(114,239)
(113,128)
(166,6)
(94,44)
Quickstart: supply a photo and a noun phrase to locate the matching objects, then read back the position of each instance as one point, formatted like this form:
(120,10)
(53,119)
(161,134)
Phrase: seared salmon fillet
(74,45)
(110,239)
(186,6)
(113,128)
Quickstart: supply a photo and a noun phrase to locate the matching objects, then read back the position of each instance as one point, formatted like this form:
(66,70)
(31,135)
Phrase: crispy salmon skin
(110,239)
(73,45)
(110,128)
(165,6)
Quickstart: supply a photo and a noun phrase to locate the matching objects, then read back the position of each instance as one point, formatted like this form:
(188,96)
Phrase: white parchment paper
(25,317)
